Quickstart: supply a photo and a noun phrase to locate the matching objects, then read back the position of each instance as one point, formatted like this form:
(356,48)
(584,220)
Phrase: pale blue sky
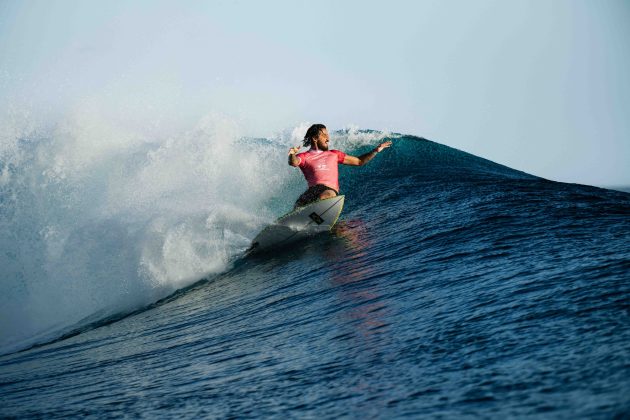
(541,86)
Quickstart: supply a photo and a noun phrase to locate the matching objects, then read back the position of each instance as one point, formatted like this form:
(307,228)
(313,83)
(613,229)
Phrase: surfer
(319,164)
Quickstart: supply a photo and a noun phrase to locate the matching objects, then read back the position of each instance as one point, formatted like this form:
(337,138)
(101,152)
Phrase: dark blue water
(451,287)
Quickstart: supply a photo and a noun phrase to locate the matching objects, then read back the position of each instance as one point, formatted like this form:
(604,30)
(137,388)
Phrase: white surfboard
(316,217)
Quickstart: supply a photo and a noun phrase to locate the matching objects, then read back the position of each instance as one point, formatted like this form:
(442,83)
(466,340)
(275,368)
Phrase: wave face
(451,285)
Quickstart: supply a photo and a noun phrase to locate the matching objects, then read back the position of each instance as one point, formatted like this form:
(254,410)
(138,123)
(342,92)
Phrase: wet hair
(312,132)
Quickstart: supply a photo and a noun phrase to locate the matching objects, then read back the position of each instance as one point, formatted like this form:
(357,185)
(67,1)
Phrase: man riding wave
(319,164)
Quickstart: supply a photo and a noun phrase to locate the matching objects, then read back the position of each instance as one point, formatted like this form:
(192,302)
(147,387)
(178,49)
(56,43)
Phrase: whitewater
(451,286)
(97,221)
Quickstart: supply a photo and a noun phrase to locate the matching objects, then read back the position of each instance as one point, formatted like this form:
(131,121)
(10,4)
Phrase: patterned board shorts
(312,194)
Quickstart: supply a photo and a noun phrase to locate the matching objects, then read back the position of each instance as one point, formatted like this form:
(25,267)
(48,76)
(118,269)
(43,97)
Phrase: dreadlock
(312,132)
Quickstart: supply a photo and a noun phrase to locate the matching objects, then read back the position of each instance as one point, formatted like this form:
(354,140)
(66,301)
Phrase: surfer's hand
(383,145)
(294,150)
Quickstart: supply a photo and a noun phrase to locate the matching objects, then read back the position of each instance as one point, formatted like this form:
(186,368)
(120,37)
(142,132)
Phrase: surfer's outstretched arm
(365,158)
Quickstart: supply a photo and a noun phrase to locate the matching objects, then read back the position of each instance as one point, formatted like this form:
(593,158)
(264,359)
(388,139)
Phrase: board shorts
(312,194)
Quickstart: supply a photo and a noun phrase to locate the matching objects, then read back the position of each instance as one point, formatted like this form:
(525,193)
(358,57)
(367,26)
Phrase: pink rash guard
(320,167)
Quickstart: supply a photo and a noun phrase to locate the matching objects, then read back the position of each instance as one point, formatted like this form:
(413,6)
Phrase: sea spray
(99,219)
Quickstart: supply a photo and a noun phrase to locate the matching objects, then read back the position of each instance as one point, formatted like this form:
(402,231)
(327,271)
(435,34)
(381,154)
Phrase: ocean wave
(97,221)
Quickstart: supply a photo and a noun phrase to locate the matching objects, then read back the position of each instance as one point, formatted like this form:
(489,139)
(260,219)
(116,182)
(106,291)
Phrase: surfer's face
(322,140)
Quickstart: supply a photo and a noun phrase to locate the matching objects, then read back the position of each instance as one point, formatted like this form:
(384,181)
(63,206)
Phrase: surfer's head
(317,137)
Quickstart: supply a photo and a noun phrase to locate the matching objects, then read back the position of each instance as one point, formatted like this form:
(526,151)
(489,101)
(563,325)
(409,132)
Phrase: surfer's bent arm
(366,157)
(294,160)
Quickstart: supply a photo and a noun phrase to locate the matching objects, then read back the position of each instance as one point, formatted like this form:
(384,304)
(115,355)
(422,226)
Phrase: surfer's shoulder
(340,155)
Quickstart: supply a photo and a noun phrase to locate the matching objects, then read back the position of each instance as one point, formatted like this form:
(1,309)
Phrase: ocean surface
(452,286)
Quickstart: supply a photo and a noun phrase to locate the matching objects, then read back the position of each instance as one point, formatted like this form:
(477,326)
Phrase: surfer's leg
(314,193)
(309,196)
(327,194)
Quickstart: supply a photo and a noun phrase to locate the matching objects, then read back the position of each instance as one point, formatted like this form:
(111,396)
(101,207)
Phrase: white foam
(352,137)
(99,218)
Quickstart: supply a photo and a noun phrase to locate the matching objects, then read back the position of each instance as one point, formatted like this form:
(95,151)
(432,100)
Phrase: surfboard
(313,218)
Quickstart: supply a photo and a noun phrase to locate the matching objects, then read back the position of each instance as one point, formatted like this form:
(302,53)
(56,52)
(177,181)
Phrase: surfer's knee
(327,194)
